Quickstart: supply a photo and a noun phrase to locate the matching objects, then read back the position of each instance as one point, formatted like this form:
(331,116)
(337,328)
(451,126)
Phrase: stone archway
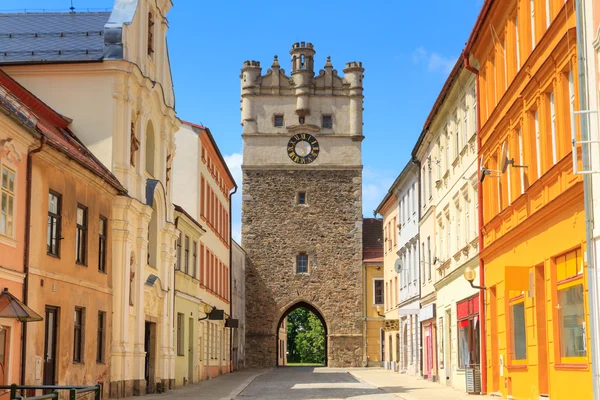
(284,315)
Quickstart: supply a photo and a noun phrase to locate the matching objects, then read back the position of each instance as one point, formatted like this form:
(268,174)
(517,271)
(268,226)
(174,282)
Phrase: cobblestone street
(297,383)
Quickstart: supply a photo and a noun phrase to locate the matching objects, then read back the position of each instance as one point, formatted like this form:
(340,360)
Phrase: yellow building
(203,186)
(537,321)
(372,290)
(187,299)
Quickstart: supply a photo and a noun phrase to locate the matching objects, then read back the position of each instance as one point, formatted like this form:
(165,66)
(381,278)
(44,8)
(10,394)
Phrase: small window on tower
(301,197)
(279,120)
(301,120)
(302,263)
(326,121)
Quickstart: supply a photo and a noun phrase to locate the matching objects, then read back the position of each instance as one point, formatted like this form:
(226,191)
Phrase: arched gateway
(301,203)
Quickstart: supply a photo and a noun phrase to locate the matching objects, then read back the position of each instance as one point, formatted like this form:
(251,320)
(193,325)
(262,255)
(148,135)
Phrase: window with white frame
(430,177)
(517,43)
(456,133)
(449,233)
(473,110)
(532,9)
(424,192)
(522,170)
(536,118)
(447,148)
(548,13)
(571,100)
(439,159)
(467,218)
(415,198)
(553,129)
(7,202)
(504,60)
(429,264)
(465,124)
(458,228)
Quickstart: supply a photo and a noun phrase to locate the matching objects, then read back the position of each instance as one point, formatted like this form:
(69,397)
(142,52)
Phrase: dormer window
(150,34)
(326,123)
(278,121)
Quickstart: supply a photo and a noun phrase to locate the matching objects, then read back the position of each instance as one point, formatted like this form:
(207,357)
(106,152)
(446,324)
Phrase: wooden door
(50,346)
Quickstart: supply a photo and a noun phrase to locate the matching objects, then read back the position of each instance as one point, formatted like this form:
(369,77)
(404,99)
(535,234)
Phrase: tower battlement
(302,45)
(252,63)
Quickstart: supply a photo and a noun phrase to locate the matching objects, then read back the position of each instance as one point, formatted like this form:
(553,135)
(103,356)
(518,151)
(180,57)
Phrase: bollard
(98,392)
(72,394)
(13,391)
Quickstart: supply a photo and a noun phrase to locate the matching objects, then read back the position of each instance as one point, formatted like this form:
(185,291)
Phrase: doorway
(50,346)
(448,348)
(304,334)
(150,349)
(540,311)
(494,339)
(191,351)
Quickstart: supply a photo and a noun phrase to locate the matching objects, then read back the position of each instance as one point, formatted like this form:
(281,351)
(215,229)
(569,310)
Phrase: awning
(11,307)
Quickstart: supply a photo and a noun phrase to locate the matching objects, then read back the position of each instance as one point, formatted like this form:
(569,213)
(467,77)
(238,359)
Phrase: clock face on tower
(303,148)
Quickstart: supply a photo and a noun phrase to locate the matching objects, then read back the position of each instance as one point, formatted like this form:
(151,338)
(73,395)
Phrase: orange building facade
(537,317)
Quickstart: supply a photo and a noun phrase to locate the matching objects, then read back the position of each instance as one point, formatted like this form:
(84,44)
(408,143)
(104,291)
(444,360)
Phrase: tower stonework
(302,203)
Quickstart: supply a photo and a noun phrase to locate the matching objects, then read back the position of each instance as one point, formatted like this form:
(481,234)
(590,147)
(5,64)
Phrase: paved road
(310,383)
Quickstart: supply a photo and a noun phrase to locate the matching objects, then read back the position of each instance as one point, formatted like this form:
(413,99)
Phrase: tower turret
(251,71)
(353,74)
(303,65)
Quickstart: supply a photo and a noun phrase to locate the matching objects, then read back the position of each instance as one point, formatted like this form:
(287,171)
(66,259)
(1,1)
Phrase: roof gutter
(26,246)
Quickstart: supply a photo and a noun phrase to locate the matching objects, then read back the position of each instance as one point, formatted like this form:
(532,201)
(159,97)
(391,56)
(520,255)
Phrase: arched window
(150,148)
(152,238)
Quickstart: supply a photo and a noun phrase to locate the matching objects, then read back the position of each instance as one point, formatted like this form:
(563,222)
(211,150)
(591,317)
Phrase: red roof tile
(52,126)
(372,240)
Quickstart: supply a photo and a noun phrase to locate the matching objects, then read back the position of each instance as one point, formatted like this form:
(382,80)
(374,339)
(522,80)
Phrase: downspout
(482,335)
(231,281)
(26,251)
(582,29)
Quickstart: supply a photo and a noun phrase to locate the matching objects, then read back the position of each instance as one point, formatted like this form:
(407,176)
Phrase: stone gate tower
(302,207)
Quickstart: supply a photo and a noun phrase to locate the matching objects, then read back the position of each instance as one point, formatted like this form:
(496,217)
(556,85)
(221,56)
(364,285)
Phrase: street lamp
(378,309)
(470,275)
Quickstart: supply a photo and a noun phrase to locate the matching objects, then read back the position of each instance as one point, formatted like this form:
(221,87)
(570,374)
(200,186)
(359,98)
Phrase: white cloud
(434,62)
(376,184)
(234,163)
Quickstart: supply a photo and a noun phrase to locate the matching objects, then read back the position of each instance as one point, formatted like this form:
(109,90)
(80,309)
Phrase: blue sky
(407,49)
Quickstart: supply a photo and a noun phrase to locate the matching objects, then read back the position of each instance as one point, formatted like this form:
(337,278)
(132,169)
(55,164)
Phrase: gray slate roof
(52,37)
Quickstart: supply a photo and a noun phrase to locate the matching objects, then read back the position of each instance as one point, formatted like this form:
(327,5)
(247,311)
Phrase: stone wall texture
(329,230)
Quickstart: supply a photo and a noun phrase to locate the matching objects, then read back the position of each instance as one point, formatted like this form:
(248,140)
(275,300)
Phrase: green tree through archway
(305,338)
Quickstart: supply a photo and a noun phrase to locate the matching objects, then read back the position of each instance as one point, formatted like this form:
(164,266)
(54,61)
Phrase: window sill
(53,255)
(80,264)
(78,363)
(569,367)
(100,362)
(517,367)
(7,240)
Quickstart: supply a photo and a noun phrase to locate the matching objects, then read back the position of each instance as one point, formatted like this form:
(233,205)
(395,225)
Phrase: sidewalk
(409,387)
(223,387)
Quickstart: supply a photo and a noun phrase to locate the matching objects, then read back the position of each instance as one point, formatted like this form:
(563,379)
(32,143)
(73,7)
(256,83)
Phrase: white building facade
(409,274)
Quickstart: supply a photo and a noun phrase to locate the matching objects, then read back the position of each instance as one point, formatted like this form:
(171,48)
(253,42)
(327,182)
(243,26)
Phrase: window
(449,233)
(518,341)
(537,143)
(474,110)
(467,315)
(78,335)
(150,34)
(458,231)
(532,9)
(424,191)
(548,13)
(278,121)
(302,263)
(571,311)
(522,170)
(102,244)
(194,258)
(439,160)
(518,44)
(467,220)
(553,128)
(178,253)
(180,344)
(301,120)
(7,202)
(430,178)
(54,224)
(504,66)
(423,262)
(301,197)
(465,123)
(571,103)
(186,256)
(456,134)
(100,338)
(394,230)
(81,235)
(429,257)
(327,123)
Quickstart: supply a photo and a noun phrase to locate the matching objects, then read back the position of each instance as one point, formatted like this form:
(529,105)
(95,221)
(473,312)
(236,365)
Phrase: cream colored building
(372,291)
(448,160)
(128,124)
(203,186)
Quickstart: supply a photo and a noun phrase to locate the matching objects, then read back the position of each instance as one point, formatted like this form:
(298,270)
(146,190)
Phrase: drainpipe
(26,251)
(230,282)
(582,43)
(483,339)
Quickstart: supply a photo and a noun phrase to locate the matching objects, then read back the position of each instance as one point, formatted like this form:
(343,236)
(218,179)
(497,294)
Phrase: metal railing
(74,391)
